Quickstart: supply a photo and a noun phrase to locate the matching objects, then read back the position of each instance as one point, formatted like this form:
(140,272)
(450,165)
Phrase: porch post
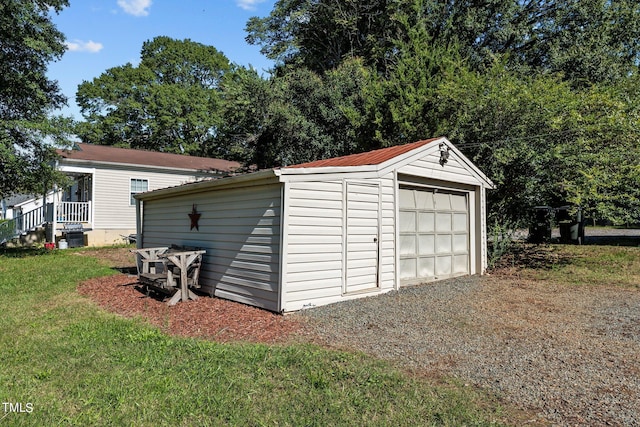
(54,214)
(138,223)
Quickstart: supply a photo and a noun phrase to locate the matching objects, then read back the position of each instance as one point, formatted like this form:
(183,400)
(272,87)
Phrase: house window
(138,186)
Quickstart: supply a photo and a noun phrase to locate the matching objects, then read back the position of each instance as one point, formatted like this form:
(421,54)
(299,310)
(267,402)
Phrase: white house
(105,179)
(330,230)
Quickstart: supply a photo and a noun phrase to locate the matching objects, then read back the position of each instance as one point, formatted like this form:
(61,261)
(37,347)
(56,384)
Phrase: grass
(68,362)
(580,265)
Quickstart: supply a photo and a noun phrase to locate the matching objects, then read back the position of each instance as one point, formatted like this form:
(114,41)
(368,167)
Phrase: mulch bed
(211,318)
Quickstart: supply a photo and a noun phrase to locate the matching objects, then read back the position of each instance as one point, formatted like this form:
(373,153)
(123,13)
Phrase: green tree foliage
(319,35)
(589,41)
(543,142)
(400,107)
(539,93)
(170,102)
(311,116)
(245,97)
(28,42)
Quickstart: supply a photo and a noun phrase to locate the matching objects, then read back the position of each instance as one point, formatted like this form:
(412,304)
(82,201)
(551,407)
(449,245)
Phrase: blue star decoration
(195,217)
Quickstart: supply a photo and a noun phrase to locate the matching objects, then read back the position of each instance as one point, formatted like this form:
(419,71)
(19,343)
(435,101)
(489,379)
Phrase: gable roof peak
(368,158)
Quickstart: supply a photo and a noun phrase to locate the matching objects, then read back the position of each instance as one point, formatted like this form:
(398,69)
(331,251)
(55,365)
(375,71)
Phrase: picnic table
(171,271)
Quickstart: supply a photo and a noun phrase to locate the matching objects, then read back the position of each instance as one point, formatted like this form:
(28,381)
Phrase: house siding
(111,197)
(240,230)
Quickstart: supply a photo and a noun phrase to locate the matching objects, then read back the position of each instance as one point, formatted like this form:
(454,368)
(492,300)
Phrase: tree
(170,102)
(319,35)
(311,116)
(28,42)
(527,88)
(542,142)
(245,97)
(590,41)
(400,105)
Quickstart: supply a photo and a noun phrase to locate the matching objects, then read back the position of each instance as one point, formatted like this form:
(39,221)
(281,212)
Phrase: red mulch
(206,317)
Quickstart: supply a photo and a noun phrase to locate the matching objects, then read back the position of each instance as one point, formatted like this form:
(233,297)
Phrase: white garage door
(434,234)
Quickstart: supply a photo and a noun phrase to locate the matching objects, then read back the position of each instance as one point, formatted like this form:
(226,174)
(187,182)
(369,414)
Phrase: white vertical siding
(240,230)
(111,197)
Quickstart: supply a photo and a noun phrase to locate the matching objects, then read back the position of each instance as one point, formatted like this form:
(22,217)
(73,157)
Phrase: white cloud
(135,7)
(82,46)
(248,4)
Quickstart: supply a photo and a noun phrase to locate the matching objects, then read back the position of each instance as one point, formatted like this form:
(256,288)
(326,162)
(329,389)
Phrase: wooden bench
(170,271)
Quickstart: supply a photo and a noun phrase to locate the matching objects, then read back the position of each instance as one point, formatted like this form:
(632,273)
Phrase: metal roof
(374,157)
(109,154)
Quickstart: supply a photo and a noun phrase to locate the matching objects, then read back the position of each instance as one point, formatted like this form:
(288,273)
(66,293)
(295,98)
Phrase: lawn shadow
(613,240)
(129,270)
(23,252)
(534,256)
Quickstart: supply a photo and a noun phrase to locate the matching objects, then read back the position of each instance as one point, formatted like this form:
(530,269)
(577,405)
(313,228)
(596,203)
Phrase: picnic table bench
(170,271)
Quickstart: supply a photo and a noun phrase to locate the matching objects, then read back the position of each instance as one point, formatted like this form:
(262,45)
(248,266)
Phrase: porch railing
(7,230)
(22,223)
(74,212)
(67,212)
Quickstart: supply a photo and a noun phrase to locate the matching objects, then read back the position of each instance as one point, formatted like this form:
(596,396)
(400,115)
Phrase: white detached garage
(330,230)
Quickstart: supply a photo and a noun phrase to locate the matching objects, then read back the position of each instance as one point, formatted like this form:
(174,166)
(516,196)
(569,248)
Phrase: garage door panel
(442,202)
(407,200)
(443,265)
(427,244)
(460,222)
(424,200)
(443,243)
(443,222)
(408,268)
(460,264)
(408,245)
(407,222)
(434,234)
(426,267)
(458,202)
(426,221)
(460,243)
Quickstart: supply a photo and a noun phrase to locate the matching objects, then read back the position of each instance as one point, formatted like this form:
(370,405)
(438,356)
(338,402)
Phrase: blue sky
(102,34)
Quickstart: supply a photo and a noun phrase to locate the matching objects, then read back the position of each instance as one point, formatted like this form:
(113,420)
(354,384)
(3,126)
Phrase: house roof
(109,154)
(374,157)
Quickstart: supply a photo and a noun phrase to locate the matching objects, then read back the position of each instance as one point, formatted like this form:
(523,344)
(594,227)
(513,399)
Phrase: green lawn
(68,362)
(586,265)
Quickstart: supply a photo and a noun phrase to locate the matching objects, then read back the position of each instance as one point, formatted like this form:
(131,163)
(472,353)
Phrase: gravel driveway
(569,354)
